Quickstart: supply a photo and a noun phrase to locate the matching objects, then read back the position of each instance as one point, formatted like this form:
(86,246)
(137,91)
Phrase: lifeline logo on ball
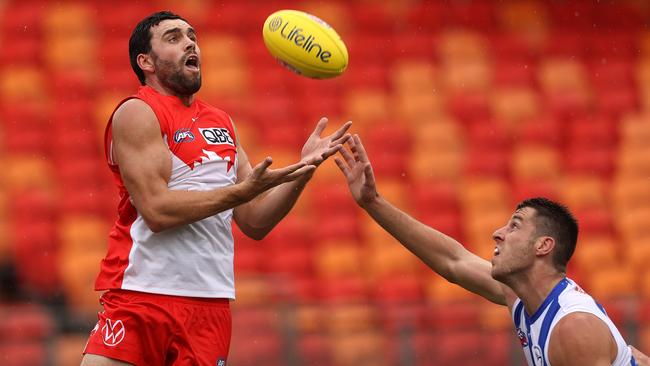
(275,24)
(296,35)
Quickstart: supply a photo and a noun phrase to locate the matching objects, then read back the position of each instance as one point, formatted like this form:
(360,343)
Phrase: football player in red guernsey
(183,175)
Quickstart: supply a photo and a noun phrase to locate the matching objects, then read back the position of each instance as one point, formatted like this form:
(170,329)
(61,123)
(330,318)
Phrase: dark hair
(555,220)
(140,41)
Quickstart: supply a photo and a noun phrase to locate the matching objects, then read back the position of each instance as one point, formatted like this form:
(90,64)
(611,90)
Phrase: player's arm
(440,252)
(259,216)
(145,166)
(640,357)
(581,339)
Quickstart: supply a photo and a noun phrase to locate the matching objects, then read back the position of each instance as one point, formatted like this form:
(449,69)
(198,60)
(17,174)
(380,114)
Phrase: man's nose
(498,235)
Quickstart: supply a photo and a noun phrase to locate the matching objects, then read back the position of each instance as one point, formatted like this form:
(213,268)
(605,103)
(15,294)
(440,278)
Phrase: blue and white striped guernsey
(565,298)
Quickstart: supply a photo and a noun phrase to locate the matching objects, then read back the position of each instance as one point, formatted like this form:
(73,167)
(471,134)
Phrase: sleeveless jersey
(191,260)
(565,298)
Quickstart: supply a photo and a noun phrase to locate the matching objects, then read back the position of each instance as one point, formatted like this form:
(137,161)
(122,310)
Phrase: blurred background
(466,107)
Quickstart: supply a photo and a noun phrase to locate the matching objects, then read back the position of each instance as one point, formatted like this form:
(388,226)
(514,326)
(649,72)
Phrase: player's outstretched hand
(641,359)
(317,149)
(262,178)
(357,169)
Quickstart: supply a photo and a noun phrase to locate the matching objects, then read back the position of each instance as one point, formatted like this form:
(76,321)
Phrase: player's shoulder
(134,115)
(575,297)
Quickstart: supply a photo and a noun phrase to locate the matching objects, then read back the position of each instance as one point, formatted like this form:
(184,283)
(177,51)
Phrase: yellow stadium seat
(23,83)
(365,106)
(73,51)
(634,162)
(68,18)
(557,75)
(67,349)
(348,318)
(413,77)
(83,233)
(530,162)
(23,172)
(473,75)
(391,260)
(493,317)
(440,291)
(418,108)
(637,253)
(431,164)
(214,46)
(78,273)
(634,223)
(484,195)
(515,105)
(629,194)
(225,81)
(613,283)
(635,131)
(584,191)
(594,254)
(359,349)
(338,259)
(462,45)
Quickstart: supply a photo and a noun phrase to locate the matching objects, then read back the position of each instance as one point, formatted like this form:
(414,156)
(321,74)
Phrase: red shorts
(160,330)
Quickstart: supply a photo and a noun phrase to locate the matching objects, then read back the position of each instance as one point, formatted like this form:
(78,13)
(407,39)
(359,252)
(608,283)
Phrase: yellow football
(305,44)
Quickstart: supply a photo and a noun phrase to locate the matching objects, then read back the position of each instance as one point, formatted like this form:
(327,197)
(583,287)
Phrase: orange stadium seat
(349,318)
(68,349)
(513,105)
(365,107)
(584,191)
(359,349)
(530,162)
(633,162)
(613,283)
(637,255)
(334,259)
(630,194)
(595,253)
(634,223)
(22,83)
(438,291)
(634,131)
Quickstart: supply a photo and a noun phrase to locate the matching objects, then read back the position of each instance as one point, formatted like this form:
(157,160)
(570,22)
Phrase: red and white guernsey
(192,260)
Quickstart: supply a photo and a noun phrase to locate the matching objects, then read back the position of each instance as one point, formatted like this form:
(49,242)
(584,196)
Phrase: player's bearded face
(173,75)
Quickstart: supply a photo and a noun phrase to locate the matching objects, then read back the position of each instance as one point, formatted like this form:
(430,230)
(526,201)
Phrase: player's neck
(534,287)
(157,86)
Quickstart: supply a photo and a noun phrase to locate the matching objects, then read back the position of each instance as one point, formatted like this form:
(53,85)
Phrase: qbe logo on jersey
(217,136)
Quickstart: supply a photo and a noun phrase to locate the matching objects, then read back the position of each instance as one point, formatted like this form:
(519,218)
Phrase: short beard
(171,76)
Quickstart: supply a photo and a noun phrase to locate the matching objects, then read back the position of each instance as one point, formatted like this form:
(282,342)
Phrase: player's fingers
(347,155)
(342,166)
(290,168)
(331,151)
(261,167)
(342,130)
(341,140)
(307,169)
(320,126)
(363,156)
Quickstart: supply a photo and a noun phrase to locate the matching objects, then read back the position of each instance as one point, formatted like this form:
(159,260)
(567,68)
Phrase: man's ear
(145,62)
(544,245)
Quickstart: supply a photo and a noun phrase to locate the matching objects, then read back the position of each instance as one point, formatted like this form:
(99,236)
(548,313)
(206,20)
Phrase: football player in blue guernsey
(557,323)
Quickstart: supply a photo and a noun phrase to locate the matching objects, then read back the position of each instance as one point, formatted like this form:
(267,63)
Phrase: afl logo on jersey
(183,135)
(522,338)
(217,136)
